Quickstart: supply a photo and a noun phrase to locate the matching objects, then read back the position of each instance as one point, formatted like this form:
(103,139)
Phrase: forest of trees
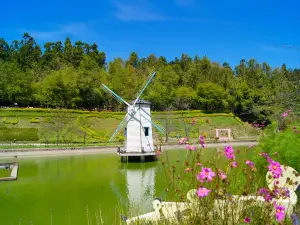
(69,75)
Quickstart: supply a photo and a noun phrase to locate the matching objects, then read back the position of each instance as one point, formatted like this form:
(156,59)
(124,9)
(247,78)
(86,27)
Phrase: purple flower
(295,219)
(282,192)
(275,168)
(265,194)
(202,192)
(279,212)
(247,220)
(249,163)
(285,114)
(201,141)
(234,164)
(264,154)
(206,174)
(229,152)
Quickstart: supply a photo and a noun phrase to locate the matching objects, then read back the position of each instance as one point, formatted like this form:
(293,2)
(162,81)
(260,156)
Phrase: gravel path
(101,150)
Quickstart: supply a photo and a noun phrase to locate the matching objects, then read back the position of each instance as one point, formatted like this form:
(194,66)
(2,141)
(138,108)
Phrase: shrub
(213,182)
(19,134)
(35,120)
(12,121)
(285,145)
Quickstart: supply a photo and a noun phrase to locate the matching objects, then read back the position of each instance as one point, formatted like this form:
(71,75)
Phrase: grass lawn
(75,126)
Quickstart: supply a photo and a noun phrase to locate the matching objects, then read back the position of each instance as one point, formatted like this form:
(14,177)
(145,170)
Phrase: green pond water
(73,189)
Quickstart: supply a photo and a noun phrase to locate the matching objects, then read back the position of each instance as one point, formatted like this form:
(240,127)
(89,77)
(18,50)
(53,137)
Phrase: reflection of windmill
(138,126)
(140,184)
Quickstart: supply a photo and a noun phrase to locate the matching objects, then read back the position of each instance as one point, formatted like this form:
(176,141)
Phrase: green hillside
(76,126)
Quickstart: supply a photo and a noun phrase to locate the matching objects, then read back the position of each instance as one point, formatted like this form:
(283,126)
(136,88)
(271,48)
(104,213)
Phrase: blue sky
(222,30)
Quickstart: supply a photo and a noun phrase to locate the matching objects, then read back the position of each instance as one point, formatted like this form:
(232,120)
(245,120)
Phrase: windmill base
(138,156)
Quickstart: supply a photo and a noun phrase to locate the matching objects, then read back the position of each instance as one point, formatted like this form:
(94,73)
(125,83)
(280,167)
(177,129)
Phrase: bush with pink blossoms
(229,173)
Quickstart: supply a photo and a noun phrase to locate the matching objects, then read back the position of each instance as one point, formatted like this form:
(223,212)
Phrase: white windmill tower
(138,126)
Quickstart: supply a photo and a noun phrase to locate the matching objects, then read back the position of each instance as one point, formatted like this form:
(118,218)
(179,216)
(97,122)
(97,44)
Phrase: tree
(213,97)
(4,50)
(29,52)
(184,98)
(68,51)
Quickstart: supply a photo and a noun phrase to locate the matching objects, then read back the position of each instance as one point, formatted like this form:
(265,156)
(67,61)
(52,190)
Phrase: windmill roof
(140,101)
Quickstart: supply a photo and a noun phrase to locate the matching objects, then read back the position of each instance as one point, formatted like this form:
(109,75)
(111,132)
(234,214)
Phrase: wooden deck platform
(137,154)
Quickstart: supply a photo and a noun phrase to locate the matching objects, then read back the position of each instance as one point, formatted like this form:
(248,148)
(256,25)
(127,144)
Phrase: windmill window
(125,131)
(146,130)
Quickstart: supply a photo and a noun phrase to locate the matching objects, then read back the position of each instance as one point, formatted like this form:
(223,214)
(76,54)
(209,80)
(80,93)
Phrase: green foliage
(69,74)
(12,120)
(35,120)
(19,134)
(285,143)
(79,126)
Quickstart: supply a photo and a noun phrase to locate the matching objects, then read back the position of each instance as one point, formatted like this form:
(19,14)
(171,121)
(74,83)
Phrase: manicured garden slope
(77,126)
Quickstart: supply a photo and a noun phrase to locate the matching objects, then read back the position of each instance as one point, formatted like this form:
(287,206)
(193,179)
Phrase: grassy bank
(84,127)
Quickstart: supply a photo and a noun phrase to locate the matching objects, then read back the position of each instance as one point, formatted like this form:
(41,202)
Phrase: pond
(72,189)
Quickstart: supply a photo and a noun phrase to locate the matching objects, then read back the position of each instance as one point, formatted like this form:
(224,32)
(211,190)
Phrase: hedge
(12,121)
(35,120)
(19,134)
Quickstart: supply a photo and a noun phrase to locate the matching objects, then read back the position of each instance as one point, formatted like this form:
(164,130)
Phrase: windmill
(137,125)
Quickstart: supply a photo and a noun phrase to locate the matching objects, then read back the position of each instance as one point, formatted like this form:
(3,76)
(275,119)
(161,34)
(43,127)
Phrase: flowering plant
(221,182)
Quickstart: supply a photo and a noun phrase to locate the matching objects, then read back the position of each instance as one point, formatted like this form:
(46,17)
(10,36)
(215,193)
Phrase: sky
(222,30)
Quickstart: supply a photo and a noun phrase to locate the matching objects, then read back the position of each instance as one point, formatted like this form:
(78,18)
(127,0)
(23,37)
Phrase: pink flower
(266,194)
(206,174)
(183,140)
(279,212)
(290,110)
(202,192)
(264,154)
(229,152)
(294,127)
(201,141)
(194,121)
(250,146)
(198,164)
(191,147)
(158,153)
(234,164)
(222,175)
(275,168)
(188,169)
(285,114)
(247,220)
(249,163)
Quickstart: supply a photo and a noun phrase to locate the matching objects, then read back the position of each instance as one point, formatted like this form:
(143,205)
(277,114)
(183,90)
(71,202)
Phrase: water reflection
(140,185)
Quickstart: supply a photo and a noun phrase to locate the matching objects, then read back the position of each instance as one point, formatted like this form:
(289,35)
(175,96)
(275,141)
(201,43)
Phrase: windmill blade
(121,125)
(154,125)
(115,96)
(159,125)
(154,121)
(143,89)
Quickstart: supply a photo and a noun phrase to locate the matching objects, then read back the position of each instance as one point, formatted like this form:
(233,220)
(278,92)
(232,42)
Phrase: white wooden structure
(223,138)
(138,127)
(232,206)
